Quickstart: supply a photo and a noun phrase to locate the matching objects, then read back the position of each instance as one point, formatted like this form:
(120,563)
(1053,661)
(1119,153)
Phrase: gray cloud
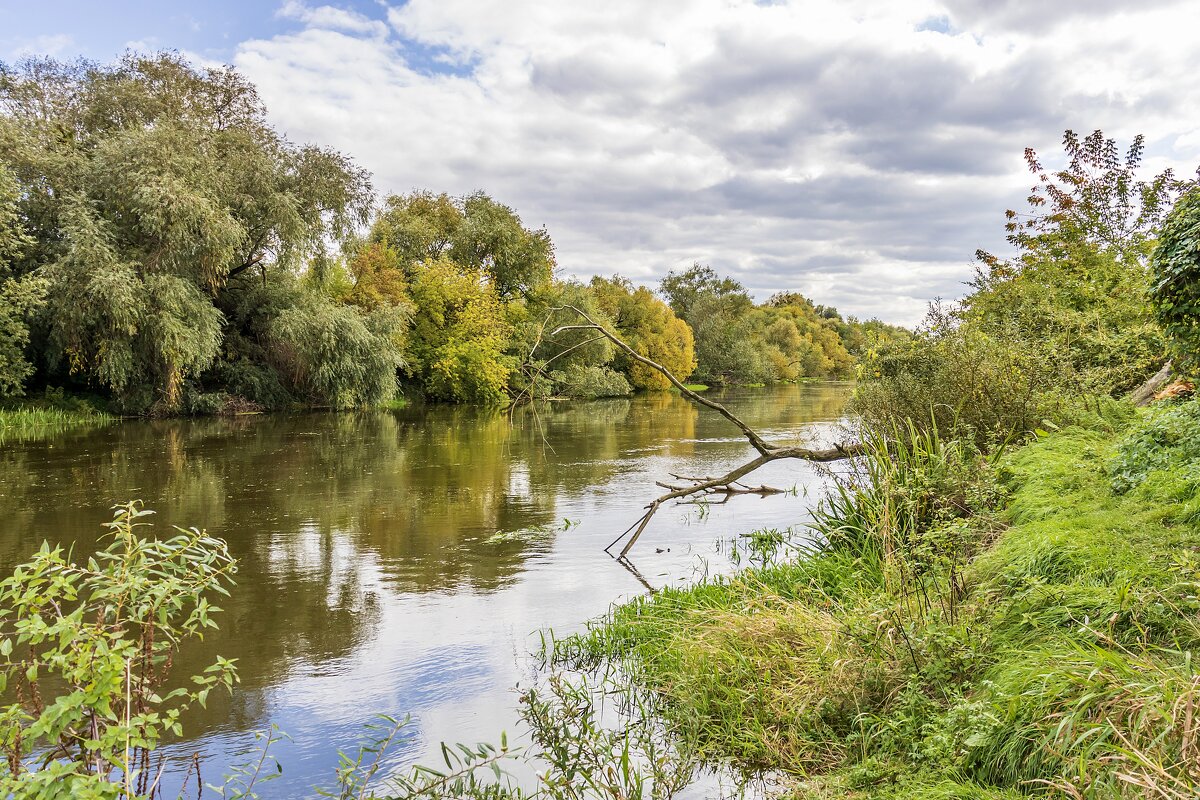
(1022,15)
(858,152)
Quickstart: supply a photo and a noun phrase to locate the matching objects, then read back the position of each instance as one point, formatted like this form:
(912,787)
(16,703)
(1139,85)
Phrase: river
(403,562)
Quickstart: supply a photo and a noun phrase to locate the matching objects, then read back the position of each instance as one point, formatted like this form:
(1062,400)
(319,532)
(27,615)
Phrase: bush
(1175,268)
(1168,439)
(959,379)
(86,648)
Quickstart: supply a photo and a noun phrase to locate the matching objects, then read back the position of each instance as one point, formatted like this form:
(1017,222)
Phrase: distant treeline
(164,248)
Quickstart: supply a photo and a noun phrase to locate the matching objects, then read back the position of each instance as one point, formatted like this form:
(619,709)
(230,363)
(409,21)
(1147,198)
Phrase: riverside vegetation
(1000,599)
(163,248)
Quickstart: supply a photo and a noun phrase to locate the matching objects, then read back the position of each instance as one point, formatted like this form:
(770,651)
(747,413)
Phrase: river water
(404,562)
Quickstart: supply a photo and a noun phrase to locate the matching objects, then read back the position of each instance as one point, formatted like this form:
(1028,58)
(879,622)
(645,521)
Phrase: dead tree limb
(727,483)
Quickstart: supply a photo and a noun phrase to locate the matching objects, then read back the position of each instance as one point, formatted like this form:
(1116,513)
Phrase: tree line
(163,247)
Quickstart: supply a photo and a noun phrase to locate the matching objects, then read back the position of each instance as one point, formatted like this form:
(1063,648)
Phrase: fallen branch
(726,483)
(736,487)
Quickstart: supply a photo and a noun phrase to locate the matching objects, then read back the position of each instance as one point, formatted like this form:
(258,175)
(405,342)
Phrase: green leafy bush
(86,647)
(1168,439)
(1176,276)
(960,380)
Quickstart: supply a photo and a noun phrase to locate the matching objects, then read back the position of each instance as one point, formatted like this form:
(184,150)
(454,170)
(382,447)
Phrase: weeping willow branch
(729,482)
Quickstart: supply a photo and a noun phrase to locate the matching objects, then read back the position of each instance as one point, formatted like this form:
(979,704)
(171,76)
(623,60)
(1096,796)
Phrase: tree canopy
(474,232)
(151,190)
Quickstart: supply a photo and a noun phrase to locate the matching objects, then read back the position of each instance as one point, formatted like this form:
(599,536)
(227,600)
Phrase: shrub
(961,380)
(1168,439)
(1175,267)
(87,649)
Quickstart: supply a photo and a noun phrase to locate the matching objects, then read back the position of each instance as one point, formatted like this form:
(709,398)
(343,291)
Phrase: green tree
(1176,278)
(18,297)
(1066,316)
(1097,198)
(718,311)
(1078,284)
(684,290)
(474,232)
(571,363)
(330,354)
(152,189)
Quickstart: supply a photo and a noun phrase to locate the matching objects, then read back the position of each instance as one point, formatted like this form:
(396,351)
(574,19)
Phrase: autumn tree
(378,277)
(803,340)
(649,326)
(459,335)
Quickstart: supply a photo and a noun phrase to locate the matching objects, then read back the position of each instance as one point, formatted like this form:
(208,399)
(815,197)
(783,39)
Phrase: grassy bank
(975,627)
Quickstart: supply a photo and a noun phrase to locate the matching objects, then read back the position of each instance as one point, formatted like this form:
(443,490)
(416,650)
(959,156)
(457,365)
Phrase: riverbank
(58,412)
(38,419)
(976,627)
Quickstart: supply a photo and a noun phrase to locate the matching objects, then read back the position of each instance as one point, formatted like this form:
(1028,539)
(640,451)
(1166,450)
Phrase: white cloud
(332,18)
(57,44)
(858,152)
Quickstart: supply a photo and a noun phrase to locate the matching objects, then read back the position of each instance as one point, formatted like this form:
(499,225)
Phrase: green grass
(40,419)
(972,629)
(395,404)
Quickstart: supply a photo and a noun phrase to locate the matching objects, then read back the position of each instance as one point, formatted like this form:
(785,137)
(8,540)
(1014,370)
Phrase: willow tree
(16,296)
(151,189)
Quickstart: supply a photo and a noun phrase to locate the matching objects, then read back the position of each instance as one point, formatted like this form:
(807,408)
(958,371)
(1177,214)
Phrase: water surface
(371,577)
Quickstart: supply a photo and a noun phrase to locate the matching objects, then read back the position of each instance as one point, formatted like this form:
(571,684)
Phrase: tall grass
(31,423)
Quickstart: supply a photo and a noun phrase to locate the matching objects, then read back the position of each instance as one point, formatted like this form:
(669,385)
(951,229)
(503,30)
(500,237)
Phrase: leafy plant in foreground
(86,649)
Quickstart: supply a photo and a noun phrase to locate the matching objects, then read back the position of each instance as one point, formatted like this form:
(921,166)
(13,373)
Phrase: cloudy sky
(858,152)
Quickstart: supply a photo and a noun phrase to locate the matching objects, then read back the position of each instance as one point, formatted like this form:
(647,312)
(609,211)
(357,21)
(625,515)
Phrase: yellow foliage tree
(650,327)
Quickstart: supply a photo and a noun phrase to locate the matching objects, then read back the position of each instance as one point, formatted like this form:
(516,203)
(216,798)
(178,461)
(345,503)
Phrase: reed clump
(47,415)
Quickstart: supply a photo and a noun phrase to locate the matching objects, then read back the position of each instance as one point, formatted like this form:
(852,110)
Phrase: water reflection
(366,581)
